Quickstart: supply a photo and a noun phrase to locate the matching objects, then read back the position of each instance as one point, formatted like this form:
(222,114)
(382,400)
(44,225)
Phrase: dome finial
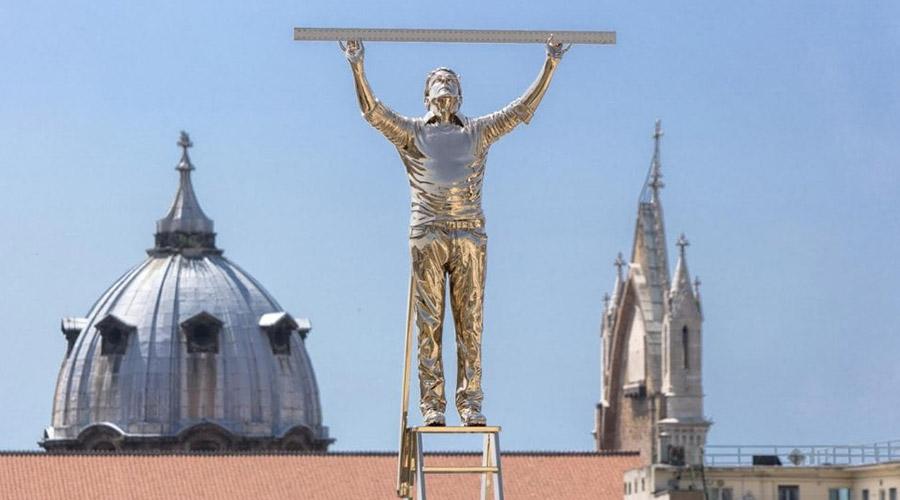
(184,142)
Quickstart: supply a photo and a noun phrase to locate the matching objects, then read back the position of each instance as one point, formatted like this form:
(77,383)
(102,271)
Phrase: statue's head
(443,92)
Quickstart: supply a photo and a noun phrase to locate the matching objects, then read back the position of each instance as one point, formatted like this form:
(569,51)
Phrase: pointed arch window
(202,333)
(685,342)
(114,333)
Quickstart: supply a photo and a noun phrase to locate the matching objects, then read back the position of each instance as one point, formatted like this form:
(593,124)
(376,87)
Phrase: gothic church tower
(652,386)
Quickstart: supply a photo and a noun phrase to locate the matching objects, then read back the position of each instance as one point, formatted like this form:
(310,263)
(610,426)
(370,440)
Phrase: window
(204,445)
(676,455)
(727,494)
(892,494)
(202,333)
(881,495)
(103,446)
(114,335)
(865,494)
(788,492)
(281,341)
(839,494)
(684,347)
(279,327)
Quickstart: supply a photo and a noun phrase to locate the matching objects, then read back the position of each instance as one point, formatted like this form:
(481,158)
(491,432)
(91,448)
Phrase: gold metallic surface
(444,153)
(459,470)
(405,458)
(461,254)
(445,157)
(490,470)
(456,430)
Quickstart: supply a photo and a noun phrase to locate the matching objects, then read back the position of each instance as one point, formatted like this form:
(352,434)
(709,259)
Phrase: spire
(650,251)
(682,288)
(185,226)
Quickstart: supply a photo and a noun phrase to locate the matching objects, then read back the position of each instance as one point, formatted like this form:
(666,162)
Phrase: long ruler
(453,36)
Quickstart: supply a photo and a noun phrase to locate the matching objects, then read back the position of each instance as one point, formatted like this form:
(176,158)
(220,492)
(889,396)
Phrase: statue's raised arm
(396,128)
(499,123)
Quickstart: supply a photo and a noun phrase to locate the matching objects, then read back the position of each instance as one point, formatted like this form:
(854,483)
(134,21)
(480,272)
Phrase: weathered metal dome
(186,351)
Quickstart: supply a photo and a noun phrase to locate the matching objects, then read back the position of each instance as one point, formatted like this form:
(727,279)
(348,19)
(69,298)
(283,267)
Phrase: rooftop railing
(802,455)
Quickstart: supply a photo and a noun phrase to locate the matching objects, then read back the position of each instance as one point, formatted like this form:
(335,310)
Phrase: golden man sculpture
(444,153)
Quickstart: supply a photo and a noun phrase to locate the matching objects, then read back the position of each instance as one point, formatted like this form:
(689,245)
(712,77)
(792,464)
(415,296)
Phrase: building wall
(627,422)
(761,483)
(877,479)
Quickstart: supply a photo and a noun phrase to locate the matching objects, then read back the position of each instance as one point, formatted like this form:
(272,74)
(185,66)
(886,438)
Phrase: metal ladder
(490,468)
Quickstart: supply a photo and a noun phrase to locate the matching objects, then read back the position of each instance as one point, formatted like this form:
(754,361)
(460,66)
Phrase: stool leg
(498,482)
(420,469)
(487,456)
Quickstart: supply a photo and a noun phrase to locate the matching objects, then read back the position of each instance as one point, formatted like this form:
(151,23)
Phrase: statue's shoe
(472,418)
(434,418)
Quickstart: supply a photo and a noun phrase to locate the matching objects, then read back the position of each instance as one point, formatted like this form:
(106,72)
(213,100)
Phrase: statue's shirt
(445,161)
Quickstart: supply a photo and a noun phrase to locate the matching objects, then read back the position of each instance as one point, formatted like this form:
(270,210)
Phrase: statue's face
(442,92)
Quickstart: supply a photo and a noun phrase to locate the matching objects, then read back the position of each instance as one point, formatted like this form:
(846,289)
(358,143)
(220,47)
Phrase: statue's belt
(451,224)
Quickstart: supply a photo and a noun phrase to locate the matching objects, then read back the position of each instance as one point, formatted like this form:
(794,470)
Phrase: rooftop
(356,475)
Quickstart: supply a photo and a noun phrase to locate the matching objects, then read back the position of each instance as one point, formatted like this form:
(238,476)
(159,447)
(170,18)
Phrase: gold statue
(444,153)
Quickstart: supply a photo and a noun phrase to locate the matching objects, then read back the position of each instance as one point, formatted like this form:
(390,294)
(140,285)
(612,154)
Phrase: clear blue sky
(780,157)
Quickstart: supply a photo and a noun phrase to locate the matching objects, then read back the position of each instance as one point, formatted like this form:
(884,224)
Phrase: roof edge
(363,453)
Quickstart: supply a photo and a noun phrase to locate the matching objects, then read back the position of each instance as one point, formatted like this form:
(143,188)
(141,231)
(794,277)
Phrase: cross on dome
(184,142)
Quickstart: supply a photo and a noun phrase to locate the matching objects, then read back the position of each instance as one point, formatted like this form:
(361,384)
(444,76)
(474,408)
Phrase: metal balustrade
(804,455)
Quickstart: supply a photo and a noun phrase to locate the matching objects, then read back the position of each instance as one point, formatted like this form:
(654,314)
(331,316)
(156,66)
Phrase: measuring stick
(453,36)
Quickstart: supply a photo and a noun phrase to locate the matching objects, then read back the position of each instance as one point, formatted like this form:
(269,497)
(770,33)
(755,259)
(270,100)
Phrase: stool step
(460,470)
(456,430)
(490,470)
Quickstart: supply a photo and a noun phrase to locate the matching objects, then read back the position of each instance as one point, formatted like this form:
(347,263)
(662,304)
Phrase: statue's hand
(556,49)
(353,51)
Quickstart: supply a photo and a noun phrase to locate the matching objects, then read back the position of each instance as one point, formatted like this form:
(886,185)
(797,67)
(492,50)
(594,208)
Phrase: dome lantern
(185,228)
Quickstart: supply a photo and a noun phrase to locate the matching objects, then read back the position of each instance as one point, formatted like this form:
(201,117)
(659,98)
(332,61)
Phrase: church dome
(186,351)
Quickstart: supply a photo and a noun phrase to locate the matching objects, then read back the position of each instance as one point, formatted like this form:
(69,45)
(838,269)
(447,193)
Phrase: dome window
(114,333)
(202,332)
(71,328)
(279,326)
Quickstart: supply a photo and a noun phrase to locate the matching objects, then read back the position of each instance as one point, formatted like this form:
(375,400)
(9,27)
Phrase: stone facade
(652,358)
